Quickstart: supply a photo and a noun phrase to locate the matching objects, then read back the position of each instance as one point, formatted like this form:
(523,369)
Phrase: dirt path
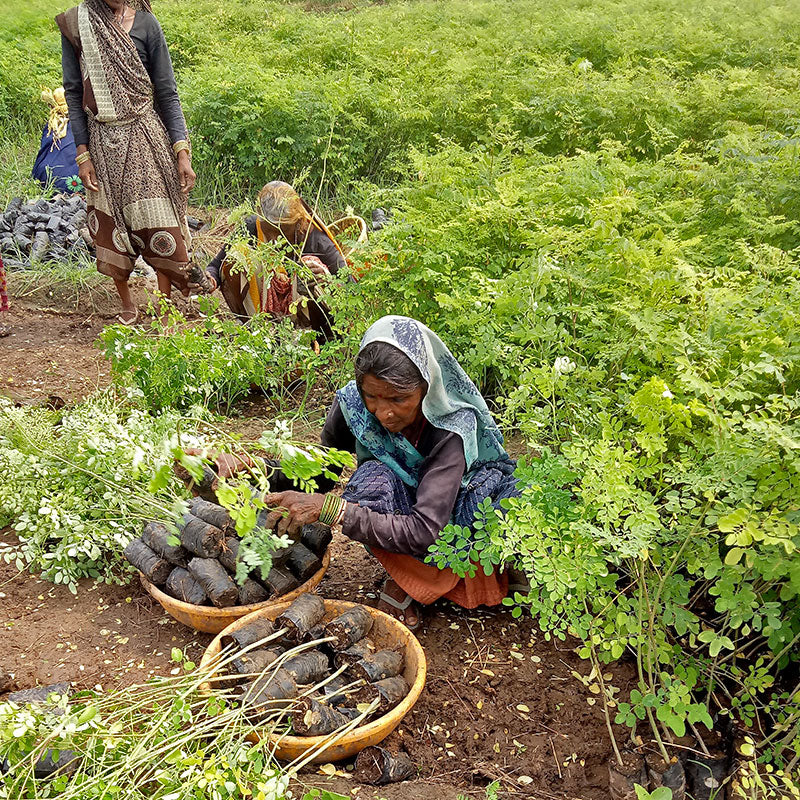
(49,353)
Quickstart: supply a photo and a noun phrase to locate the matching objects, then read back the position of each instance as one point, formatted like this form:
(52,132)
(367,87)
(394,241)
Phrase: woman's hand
(318,269)
(303,509)
(185,172)
(226,464)
(88,176)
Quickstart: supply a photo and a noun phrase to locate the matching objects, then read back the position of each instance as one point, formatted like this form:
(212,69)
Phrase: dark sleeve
(250,224)
(412,534)
(335,432)
(320,245)
(73,92)
(165,89)
(215,265)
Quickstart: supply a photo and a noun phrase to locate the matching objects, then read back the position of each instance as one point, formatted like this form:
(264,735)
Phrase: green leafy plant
(168,739)
(243,494)
(215,363)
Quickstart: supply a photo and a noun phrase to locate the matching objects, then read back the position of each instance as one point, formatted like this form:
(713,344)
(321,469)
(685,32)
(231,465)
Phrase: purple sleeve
(413,533)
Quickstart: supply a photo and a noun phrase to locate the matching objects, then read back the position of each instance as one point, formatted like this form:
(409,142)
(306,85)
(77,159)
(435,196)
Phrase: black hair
(387,363)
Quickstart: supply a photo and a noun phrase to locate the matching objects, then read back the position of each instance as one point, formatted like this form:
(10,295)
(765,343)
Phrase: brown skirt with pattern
(163,248)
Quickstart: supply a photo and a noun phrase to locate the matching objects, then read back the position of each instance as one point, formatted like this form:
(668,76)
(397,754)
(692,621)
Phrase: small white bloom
(563,365)
(667,394)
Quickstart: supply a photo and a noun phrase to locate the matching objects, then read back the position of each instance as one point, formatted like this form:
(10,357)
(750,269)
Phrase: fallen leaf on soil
(487,672)
(328,769)
(523,707)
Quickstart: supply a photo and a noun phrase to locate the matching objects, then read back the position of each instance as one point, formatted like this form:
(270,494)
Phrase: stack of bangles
(181,144)
(83,158)
(333,509)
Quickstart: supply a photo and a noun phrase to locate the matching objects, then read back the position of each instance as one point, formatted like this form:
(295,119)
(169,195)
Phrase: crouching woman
(428,453)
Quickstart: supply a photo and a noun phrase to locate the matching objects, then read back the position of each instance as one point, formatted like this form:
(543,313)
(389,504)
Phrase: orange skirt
(426,583)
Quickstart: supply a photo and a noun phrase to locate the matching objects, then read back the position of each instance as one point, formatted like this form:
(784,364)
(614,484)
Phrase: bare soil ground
(500,701)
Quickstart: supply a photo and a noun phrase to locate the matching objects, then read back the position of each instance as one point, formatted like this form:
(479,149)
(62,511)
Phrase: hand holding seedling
(302,509)
(318,269)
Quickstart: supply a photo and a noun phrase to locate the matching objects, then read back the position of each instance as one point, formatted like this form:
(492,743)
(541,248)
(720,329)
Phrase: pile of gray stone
(43,230)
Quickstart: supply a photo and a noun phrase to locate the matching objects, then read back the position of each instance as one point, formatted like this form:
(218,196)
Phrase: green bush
(213,364)
(638,321)
(274,91)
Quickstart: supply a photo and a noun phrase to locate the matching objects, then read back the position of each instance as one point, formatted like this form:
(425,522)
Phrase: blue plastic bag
(56,162)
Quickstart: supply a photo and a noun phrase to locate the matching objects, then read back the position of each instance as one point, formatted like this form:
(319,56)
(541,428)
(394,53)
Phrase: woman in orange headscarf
(286,220)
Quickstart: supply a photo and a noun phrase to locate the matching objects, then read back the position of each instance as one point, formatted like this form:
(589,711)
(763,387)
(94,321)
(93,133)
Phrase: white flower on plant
(563,365)
(667,394)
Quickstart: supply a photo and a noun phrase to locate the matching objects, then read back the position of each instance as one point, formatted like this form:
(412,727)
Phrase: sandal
(123,321)
(401,606)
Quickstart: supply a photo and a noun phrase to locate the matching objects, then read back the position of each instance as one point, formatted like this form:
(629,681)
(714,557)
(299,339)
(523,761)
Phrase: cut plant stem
(380,665)
(200,538)
(251,591)
(388,692)
(361,649)
(256,631)
(302,562)
(157,537)
(280,581)
(213,514)
(216,582)
(316,537)
(155,568)
(182,586)
(312,718)
(307,667)
(256,661)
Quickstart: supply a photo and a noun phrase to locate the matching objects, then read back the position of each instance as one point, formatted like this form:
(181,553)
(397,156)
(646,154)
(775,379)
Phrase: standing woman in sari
(132,141)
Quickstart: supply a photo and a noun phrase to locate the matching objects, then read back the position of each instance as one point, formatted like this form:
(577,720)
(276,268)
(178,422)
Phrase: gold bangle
(83,158)
(181,145)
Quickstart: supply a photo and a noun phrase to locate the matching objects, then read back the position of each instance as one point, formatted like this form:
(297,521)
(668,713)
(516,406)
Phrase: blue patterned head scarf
(452,403)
